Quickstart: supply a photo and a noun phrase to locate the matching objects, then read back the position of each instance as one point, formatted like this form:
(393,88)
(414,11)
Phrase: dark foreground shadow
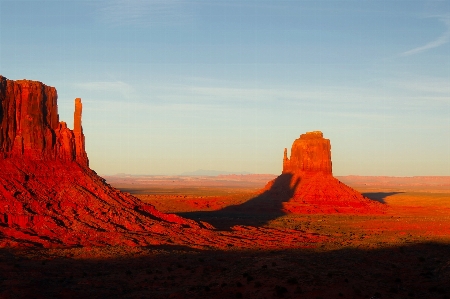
(379,196)
(257,211)
(413,271)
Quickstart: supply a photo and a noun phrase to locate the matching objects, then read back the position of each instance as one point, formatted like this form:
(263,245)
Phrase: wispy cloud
(441,40)
(120,87)
(408,94)
(142,13)
(434,87)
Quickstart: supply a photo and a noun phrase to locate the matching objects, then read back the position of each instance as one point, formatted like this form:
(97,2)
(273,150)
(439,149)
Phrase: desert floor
(403,253)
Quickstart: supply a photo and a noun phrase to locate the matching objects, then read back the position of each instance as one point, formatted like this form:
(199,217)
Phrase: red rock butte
(307,183)
(30,126)
(48,195)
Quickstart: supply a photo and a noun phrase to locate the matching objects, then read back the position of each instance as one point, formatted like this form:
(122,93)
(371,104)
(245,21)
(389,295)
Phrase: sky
(172,86)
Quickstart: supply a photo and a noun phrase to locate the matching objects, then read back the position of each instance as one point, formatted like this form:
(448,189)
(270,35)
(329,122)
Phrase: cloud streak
(126,90)
(142,13)
(441,40)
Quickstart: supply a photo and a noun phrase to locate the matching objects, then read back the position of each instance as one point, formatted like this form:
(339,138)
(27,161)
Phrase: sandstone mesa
(308,185)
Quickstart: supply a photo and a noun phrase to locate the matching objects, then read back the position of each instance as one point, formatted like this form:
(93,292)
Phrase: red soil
(318,193)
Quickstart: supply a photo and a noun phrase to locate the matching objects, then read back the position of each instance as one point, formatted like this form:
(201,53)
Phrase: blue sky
(170,86)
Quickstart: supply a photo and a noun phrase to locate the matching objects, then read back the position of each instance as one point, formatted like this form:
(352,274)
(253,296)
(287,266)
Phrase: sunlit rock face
(309,183)
(309,154)
(30,126)
(49,197)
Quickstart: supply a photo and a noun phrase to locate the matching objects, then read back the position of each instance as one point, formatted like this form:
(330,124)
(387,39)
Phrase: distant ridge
(203,172)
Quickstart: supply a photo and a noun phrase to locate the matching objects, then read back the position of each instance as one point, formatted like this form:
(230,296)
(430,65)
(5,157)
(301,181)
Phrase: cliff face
(309,154)
(48,194)
(30,127)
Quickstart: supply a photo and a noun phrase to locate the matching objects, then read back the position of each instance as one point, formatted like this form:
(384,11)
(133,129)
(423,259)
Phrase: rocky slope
(48,195)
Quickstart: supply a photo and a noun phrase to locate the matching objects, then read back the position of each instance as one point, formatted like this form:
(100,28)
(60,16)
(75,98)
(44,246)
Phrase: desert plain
(403,252)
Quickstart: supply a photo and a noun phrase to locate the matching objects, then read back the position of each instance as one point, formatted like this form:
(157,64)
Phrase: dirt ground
(403,253)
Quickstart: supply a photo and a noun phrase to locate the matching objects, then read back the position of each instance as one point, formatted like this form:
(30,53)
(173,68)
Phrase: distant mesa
(49,197)
(312,187)
(203,172)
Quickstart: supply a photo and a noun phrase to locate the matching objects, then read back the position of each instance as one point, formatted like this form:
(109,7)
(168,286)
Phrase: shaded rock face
(310,153)
(313,189)
(30,126)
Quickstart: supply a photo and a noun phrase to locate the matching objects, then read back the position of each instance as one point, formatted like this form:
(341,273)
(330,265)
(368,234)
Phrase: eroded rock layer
(312,187)
(30,127)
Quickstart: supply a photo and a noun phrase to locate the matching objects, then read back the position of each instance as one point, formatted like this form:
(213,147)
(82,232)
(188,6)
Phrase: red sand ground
(403,253)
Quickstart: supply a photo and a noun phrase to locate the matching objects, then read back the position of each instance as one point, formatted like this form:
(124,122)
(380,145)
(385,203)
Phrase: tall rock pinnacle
(80,152)
(77,116)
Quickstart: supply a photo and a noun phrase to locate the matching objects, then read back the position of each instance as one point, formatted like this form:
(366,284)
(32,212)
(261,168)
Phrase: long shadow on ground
(379,196)
(254,212)
(263,208)
(413,271)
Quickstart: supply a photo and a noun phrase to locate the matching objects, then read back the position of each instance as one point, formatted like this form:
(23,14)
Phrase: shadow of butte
(257,211)
(379,196)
